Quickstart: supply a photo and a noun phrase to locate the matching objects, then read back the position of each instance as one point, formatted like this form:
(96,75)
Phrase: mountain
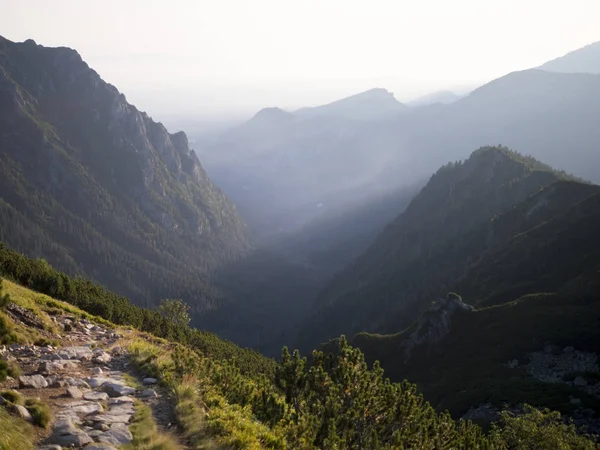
(529,328)
(444,97)
(254,402)
(90,183)
(284,170)
(583,60)
(428,247)
(373,104)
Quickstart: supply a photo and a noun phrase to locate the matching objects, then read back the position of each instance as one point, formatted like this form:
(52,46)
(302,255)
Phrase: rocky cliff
(88,181)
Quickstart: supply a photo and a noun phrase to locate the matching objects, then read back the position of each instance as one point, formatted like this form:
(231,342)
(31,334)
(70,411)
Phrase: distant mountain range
(286,169)
(583,60)
(443,97)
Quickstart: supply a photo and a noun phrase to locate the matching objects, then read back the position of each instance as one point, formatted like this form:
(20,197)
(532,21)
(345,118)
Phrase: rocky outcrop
(435,323)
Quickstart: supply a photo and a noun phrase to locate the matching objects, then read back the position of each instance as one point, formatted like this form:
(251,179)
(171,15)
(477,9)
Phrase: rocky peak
(435,323)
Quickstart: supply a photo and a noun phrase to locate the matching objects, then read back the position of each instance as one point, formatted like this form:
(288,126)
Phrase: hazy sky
(220,56)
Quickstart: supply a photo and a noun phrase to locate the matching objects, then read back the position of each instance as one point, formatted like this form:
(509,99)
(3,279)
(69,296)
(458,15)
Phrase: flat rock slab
(110,418)
(96,396)
(116,436)
(119,400)
(85,407)
(65,433)
(117,389)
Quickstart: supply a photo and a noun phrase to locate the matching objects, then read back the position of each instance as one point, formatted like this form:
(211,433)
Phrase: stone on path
(149,393)
(96,396)
(96,371)
(117,435)
(32,381)
(74,392)
(118,400)
(117,390)
(65,433)
(85,407)
(149,381)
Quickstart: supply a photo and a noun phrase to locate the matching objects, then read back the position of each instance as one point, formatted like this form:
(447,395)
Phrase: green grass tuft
(145,432)
(16,398)
(40,412)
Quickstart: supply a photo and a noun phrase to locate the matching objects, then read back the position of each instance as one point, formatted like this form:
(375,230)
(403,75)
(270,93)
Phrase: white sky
(231,56)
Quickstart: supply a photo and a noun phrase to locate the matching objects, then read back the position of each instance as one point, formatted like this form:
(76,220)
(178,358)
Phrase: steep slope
(91,183)
(538,265)
(427,246)
(583,60)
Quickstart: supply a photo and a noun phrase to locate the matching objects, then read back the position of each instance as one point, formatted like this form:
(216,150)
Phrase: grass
(40,412)
(15,433)
(15,397)
(146,435)
(191,414)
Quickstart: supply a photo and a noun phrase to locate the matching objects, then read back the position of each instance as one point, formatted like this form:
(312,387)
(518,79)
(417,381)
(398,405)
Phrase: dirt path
(91,390)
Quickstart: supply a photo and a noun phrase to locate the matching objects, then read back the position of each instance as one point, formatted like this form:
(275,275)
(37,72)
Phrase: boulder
(149,381)
(580,382)
(32,381)
(22,412)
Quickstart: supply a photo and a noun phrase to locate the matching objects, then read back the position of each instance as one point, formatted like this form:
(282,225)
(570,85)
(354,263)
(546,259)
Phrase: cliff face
(96,181)
(435,323)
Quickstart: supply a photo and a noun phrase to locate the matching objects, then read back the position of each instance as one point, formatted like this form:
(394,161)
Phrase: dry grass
(146,435)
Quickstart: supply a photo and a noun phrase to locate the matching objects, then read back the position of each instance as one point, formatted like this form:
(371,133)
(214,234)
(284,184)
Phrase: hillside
(66,369)
(428,246)
(582,60)
(533,278)
(91,183)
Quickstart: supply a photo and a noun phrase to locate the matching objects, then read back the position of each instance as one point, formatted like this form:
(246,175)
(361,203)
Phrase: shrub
(40,412)
(538,429)
(16,398)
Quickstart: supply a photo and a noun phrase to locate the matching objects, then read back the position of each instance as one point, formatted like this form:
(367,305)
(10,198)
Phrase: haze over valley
(397,192)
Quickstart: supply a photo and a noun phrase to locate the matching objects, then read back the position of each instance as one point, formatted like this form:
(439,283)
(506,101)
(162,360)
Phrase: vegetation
(14,397)
(15,433)
(460,223)
(538,429)
(335,402)
(175,311)
(146,435)
(94,299)
(40,412)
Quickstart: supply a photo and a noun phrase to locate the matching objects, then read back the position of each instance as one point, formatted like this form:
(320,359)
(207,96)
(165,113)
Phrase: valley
(436,263)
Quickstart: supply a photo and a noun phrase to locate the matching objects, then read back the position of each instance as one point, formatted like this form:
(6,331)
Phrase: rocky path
(85,382)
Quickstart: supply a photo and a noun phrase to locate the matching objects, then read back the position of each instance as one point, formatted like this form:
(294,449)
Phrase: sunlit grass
(145,432)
